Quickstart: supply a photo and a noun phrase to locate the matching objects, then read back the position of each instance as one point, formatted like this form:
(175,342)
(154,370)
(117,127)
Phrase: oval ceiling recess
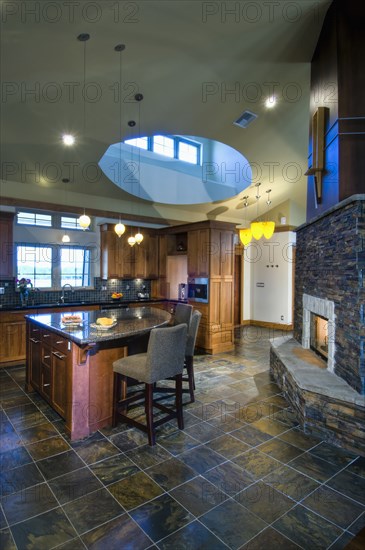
(222,173)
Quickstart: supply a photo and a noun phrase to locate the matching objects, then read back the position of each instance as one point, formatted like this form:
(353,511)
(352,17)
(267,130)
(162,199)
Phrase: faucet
(63,291)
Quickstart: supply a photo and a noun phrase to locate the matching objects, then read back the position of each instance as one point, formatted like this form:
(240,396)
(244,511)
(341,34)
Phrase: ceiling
(198,69)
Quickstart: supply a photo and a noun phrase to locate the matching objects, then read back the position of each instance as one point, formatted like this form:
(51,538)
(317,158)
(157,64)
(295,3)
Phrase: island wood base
(76,380)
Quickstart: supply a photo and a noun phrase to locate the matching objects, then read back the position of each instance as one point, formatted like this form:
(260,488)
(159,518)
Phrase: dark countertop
(130,322)
(80,303)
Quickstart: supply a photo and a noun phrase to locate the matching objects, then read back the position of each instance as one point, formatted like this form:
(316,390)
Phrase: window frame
(177,140)
(34,213)
(56,273)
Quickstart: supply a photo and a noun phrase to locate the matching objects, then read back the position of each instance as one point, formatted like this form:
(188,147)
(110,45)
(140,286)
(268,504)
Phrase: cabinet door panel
(198,253)
(34,360)
(6,244)
(45,387)
(59,382)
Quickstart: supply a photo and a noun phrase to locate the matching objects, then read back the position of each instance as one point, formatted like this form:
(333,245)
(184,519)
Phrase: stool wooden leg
(149,414)
(178,401)
(190,371)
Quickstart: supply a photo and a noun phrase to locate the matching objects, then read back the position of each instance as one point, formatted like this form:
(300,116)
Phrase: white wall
(268,269)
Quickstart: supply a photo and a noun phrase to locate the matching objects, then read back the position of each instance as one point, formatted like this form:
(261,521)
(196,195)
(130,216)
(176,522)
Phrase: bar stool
(183,314)
(189,352)
(164,359)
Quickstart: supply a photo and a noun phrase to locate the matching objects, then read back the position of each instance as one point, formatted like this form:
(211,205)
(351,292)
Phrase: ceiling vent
(245,119)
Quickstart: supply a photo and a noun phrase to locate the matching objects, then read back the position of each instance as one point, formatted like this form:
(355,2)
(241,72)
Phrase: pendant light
(256,227)
(268,226)
(131,240)
(119,228)
(65,237)
(245,236)
(246,233)
(138,237)
(84,220)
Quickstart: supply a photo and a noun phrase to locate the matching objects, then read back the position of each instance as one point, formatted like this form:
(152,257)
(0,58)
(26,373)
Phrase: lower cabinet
(49,361)
(12,330)
(12,336)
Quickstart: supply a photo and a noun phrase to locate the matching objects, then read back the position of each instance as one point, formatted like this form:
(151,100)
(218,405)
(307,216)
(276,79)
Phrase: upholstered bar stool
(183,314)
(189,352)
(164,359)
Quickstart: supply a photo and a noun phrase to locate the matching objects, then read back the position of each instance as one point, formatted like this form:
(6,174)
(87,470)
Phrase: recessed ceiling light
(68,139)
(270,102)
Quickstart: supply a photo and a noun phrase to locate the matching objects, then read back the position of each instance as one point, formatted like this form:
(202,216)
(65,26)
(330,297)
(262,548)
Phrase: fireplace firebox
(319,335)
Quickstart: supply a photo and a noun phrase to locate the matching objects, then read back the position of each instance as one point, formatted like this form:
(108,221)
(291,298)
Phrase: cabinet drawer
(60,343)
(46,336)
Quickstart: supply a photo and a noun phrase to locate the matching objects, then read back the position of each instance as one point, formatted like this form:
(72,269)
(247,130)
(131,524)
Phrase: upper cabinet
(198,253)
(222,253)
(120,260)
(6,244)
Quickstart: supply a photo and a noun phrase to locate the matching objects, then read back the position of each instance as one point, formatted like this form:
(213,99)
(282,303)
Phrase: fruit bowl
(116,296)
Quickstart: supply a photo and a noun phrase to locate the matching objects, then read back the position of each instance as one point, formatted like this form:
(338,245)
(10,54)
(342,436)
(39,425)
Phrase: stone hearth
(329,281)
(325,404)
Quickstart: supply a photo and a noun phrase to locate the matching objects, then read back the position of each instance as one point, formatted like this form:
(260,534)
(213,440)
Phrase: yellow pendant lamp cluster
(257,229)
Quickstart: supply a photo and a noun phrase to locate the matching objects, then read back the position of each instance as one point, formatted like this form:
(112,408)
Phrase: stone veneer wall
(330,264)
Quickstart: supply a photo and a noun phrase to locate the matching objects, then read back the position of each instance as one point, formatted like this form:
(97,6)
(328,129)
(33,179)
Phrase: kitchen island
(71,366)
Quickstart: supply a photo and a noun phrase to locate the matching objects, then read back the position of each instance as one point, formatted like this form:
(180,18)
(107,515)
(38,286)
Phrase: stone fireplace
(329,314)
(319,328)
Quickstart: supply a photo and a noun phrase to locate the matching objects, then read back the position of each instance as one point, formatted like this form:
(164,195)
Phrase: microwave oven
(198,290)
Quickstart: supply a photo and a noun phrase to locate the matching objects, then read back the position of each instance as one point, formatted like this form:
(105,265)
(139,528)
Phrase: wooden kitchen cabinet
(12,335)
(35,350)
(146,257)
(198,253)
(49,360)
(6,244)
(13,339)
(222,253)
(122,261)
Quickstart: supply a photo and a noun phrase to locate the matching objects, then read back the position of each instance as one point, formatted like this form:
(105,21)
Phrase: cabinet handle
(59,341)
(46,335)
(35,329)
(58,354)
(46,385)
(34,340)
(46,357)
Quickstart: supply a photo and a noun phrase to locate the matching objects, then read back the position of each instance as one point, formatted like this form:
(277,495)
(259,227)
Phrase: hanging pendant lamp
(131,240)
(268,226)
(245,236)
(138,237)
(84,220)
(119,228)
(256,227)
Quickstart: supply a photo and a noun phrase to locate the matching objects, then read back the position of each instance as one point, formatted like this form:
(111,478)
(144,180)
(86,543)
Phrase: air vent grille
(245,119)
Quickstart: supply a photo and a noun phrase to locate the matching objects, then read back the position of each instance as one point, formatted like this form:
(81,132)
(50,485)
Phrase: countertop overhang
(129,322)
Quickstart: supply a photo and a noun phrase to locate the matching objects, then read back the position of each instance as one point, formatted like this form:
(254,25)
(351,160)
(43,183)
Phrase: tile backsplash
(100,293)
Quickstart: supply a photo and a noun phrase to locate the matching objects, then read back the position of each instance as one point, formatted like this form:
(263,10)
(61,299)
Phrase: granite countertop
(129,322)
(80,303)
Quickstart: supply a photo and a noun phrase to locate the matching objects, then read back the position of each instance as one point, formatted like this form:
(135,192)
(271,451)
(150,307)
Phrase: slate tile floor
(241,475)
